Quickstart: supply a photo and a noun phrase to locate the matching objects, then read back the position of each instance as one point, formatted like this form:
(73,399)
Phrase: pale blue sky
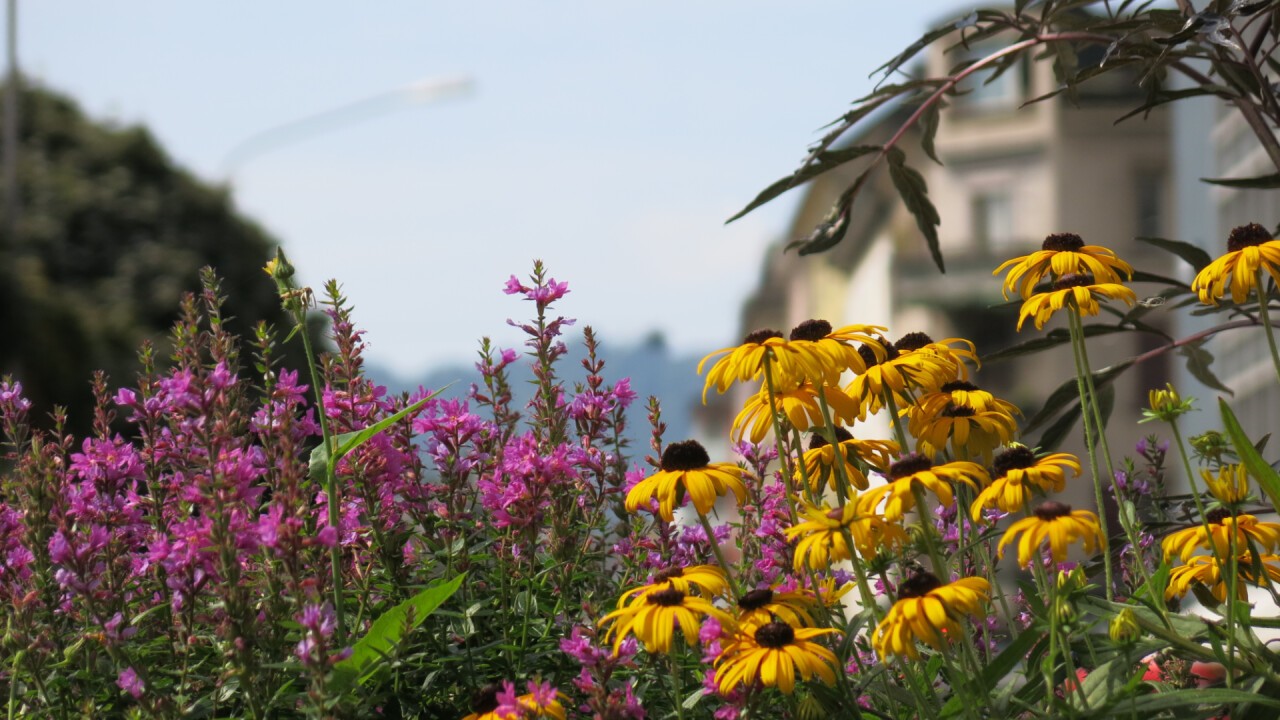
(610,138)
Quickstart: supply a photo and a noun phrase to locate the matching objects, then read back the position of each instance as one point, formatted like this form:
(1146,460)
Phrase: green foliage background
(111,233)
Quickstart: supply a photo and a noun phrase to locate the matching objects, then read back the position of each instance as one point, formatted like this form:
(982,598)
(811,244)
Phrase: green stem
(715,548)
(935,557)
(1264,298)
(783,458)
(1082,370)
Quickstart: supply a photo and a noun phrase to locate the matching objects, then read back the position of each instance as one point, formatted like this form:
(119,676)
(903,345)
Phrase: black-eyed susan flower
(1229,485)
(775,655)
(1207,570)
(1219,532)
(973,422)
(653,617)
(763,605)
(687,469)
(1062,254)
(815,353)
(820,459)
(1016,471)
(897,373)
(1250,248)
(1057,524)
(708,580)
(929,612)
(822,532)
(495,702)
(798,403)
(919,470)
(954,353)
(1078,291)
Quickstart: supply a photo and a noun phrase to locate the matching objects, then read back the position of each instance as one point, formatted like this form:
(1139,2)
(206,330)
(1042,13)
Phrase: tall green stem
(1264,299)
(1087,417)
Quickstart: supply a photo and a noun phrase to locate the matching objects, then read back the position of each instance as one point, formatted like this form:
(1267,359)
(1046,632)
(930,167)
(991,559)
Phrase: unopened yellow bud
(1124,627)
(1165,404)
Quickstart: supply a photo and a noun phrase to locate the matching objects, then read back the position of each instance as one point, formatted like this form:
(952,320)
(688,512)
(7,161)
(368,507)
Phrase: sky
(610,139)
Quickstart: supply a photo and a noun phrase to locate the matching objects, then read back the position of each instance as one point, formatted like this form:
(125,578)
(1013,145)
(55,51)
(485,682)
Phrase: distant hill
(650,365)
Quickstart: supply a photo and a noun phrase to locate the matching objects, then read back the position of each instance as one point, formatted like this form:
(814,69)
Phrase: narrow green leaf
(1196,698)
(1196,257)
(1053,435)
(1266,476)
(392,625)
(823,162)
(1198,364)
(915,194)
(352,440)
(1262,182)
(929,129)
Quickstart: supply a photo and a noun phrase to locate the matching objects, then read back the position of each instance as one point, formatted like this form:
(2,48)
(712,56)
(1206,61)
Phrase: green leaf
(1053,338)
(1194,256)
(1266,476)
(1196,698)
(391,626)
(915,194)
(321,461)
(1198,362)
(929,129)
(995,671)
(1262,182)
(1053,435)
(821,163)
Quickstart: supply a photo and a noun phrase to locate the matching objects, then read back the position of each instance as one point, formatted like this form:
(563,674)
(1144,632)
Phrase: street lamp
(425,91)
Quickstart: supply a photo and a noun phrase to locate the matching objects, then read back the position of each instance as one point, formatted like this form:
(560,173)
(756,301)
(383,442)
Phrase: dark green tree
(110,234)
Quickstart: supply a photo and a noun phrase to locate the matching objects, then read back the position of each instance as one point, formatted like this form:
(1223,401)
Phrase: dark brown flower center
(670,597)
(775,635)
(918,585)
(1217,515)
(954,410)
(666,574)
(811,330)
(955,385)
(1017,457)
(760,336)
(816,440)
(912,341)
(1052,510)
(756,599)
(1072,280)
(486,699)
(909,465)
(869,356)
(1060,242)
(1246,235)
(686,455)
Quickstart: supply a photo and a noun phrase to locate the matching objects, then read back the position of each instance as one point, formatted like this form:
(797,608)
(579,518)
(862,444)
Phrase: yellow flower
(822,534)
(1057,523)
(1078,291)
(763,605)
(800,405)
(928,611)
(1207,570)
(686,468)
(775,655)
(707,579)
(1221,532)
(1230,486)
(544,704)
(815,353)
(1062,254)
(652,618)
(955,358)
(1250,248)
(920,470)
(974,422)
(897,372)
(1016,471)
(819,460)
(1165,404)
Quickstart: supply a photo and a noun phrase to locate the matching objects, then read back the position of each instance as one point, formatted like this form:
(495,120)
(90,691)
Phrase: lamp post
(425,91)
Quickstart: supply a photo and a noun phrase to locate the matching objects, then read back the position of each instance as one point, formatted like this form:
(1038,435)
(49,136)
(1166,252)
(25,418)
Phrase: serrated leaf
(929,129)
(1262,182)
(823,162)
(1163,97)
(1198,362)
(391,626)
(1265,475)
(1196,257)
(914,191)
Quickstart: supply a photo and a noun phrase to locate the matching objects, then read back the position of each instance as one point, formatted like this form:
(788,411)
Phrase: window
(991,219)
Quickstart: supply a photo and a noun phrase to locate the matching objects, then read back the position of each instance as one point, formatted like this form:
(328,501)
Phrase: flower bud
(1124,627)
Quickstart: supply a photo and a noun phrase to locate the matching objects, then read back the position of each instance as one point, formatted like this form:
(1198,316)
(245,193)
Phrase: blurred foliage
(110,234)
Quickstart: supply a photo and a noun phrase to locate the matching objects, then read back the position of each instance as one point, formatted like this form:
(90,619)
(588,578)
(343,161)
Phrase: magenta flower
(131,683)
